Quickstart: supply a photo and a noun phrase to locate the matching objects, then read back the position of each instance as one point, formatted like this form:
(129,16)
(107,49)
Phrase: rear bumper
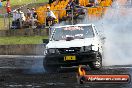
(81,59)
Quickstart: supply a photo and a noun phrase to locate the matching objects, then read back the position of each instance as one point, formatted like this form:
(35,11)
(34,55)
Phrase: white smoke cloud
(117,27)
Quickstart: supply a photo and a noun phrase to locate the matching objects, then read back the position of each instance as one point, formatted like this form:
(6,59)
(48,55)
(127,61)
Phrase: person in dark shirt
(68,9)
(51,1)
(72,4)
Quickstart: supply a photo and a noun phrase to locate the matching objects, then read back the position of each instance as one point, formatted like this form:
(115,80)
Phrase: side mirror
(46,41)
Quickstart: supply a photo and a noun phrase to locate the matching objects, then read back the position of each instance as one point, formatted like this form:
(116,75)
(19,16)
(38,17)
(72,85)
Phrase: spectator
(50,13)
(0,3)
(80,9)
(51,18)
(14,13)
(72,4)
(96,3)
(76,1)
(68,9)
(91,3)
(33,13)
(20,15)
(0,6)
(31,19)
(51,1)
(20,18)
(28,12)
(8,8)
(15,23)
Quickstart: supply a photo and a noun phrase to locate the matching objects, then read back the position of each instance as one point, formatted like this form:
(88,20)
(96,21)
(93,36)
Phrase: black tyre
(96,65)
(49,65)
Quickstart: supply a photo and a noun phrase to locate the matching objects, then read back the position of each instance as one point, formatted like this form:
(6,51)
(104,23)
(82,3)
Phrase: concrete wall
(23,32)
(27,49)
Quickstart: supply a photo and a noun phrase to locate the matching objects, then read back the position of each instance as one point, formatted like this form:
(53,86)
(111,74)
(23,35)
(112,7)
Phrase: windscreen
(74,32)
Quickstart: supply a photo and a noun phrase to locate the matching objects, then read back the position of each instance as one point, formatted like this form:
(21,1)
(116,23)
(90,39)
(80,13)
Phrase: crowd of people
(21,19)
(29,19)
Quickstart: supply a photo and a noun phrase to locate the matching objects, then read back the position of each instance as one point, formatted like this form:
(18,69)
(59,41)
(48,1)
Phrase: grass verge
(22,40)
(22,2)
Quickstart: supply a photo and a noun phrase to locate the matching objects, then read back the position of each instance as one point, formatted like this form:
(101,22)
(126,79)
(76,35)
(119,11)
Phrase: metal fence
(4,22)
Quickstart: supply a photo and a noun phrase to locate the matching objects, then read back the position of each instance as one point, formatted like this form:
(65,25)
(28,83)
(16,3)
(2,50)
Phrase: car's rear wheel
(96,64)
(51,68)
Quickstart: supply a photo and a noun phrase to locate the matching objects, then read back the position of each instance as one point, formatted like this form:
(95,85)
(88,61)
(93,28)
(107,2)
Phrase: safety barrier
(5,20)
(24,49)
(24,32)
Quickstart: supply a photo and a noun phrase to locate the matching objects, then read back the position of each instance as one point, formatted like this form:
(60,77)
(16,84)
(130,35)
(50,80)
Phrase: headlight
(51,51)
(86,48)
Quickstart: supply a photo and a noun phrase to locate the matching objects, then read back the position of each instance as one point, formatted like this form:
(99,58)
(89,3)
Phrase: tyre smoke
(117,28)
(37,67)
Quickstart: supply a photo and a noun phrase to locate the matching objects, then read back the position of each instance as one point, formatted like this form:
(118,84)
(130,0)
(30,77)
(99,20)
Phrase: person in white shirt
(20,15)
(18,18)
(96,2)
(14,13)
(50,13)
(50,19)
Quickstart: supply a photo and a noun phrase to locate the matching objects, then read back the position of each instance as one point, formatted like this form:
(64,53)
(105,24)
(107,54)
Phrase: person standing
(14,14)
(28,12)
(50,18)
(50,13)
(0,3)
(51,1)
(8,7)
(0,6)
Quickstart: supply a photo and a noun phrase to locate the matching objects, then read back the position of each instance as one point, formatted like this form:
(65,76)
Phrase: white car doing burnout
(73,45)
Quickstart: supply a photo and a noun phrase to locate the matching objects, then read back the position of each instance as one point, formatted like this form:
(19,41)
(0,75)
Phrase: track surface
(28,72)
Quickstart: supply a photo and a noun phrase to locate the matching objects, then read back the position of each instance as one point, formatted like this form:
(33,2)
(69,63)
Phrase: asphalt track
(28,72)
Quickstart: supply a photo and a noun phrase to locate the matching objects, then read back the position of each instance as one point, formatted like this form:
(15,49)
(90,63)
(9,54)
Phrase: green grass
(21,2)
(22,40)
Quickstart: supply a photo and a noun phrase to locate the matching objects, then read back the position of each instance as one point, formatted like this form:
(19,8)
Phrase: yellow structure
(58,8)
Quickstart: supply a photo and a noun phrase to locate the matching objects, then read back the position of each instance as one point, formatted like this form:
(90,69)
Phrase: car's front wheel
(49,65)
(96,64)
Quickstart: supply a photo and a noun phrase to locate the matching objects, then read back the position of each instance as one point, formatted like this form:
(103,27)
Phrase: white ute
(73,45)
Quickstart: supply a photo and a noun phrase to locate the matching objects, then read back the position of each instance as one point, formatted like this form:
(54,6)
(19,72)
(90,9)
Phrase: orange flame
(81,71)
